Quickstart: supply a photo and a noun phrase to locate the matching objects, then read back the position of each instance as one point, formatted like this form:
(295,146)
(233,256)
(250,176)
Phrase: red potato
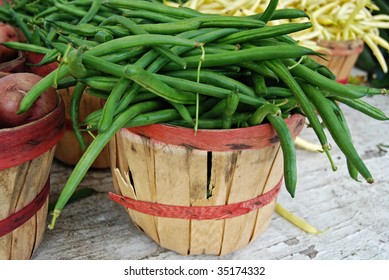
(12,90)
(7,34)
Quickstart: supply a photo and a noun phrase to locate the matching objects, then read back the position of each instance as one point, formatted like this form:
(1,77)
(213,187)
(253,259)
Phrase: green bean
(260,69)
(49,57)
(289,13)
(98,93)
(165,115)
(204,35)
(91,121)
(247,55)
(314,65)
(45,83)
(269,11)
(333,87)
(47,12)
(190,15)
(103,36)
(47,21)
(66,82)
(260,88)
(74,113)
(183,112)
(156,17)
(363,107)
(337,132)
(353,172)
(76,67)
(214,48)
(100,82)
(227,22)
(142,62)
(259,115)
(26,47)
(207,104)
(51,35)
(137,30)
(236,121)
(216,110)
(171,28)
(94,8)
(62,48)
(288,151)
(284,74)
(209,50)
(42,34)
(73,10)
(94,150)
(20,4)
(75,41)
(83,29)
(143,96)
(208,90)
(124,55)
(157,28)
(279,92)
(152,84)
(288,40)
(109,107)
(264,32)
(216,79)
(160,116)
(22,25)
(129,42)
(155,7)
(232,102)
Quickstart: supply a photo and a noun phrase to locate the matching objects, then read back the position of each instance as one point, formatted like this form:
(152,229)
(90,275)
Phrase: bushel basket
(26,153)
(209,193)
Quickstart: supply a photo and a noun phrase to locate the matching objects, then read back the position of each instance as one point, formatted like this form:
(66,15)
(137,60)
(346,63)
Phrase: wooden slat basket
(212,193)
(26,153)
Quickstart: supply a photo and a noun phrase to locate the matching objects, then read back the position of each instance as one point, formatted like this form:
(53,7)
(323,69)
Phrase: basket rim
(28,141)
(253,137)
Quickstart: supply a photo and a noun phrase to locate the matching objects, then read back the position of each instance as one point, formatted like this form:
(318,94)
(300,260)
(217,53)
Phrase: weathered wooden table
(356,214)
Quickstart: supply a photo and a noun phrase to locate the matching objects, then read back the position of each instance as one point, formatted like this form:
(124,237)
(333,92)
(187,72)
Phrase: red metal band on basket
(19,218)
(26,142)
(198,212)
(217,140)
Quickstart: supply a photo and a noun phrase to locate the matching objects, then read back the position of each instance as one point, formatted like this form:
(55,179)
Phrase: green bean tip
(55,213)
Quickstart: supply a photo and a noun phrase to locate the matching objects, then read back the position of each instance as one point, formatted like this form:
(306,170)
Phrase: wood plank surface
(354,214)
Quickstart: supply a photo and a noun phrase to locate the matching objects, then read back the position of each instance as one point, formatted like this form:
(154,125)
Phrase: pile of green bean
(158,64)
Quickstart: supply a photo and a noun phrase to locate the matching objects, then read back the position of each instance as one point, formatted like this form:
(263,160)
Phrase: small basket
(341,57)
(26,152)
(209,193)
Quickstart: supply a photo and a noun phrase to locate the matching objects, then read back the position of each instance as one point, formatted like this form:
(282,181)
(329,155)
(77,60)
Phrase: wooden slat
(172,187)
(248,181)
